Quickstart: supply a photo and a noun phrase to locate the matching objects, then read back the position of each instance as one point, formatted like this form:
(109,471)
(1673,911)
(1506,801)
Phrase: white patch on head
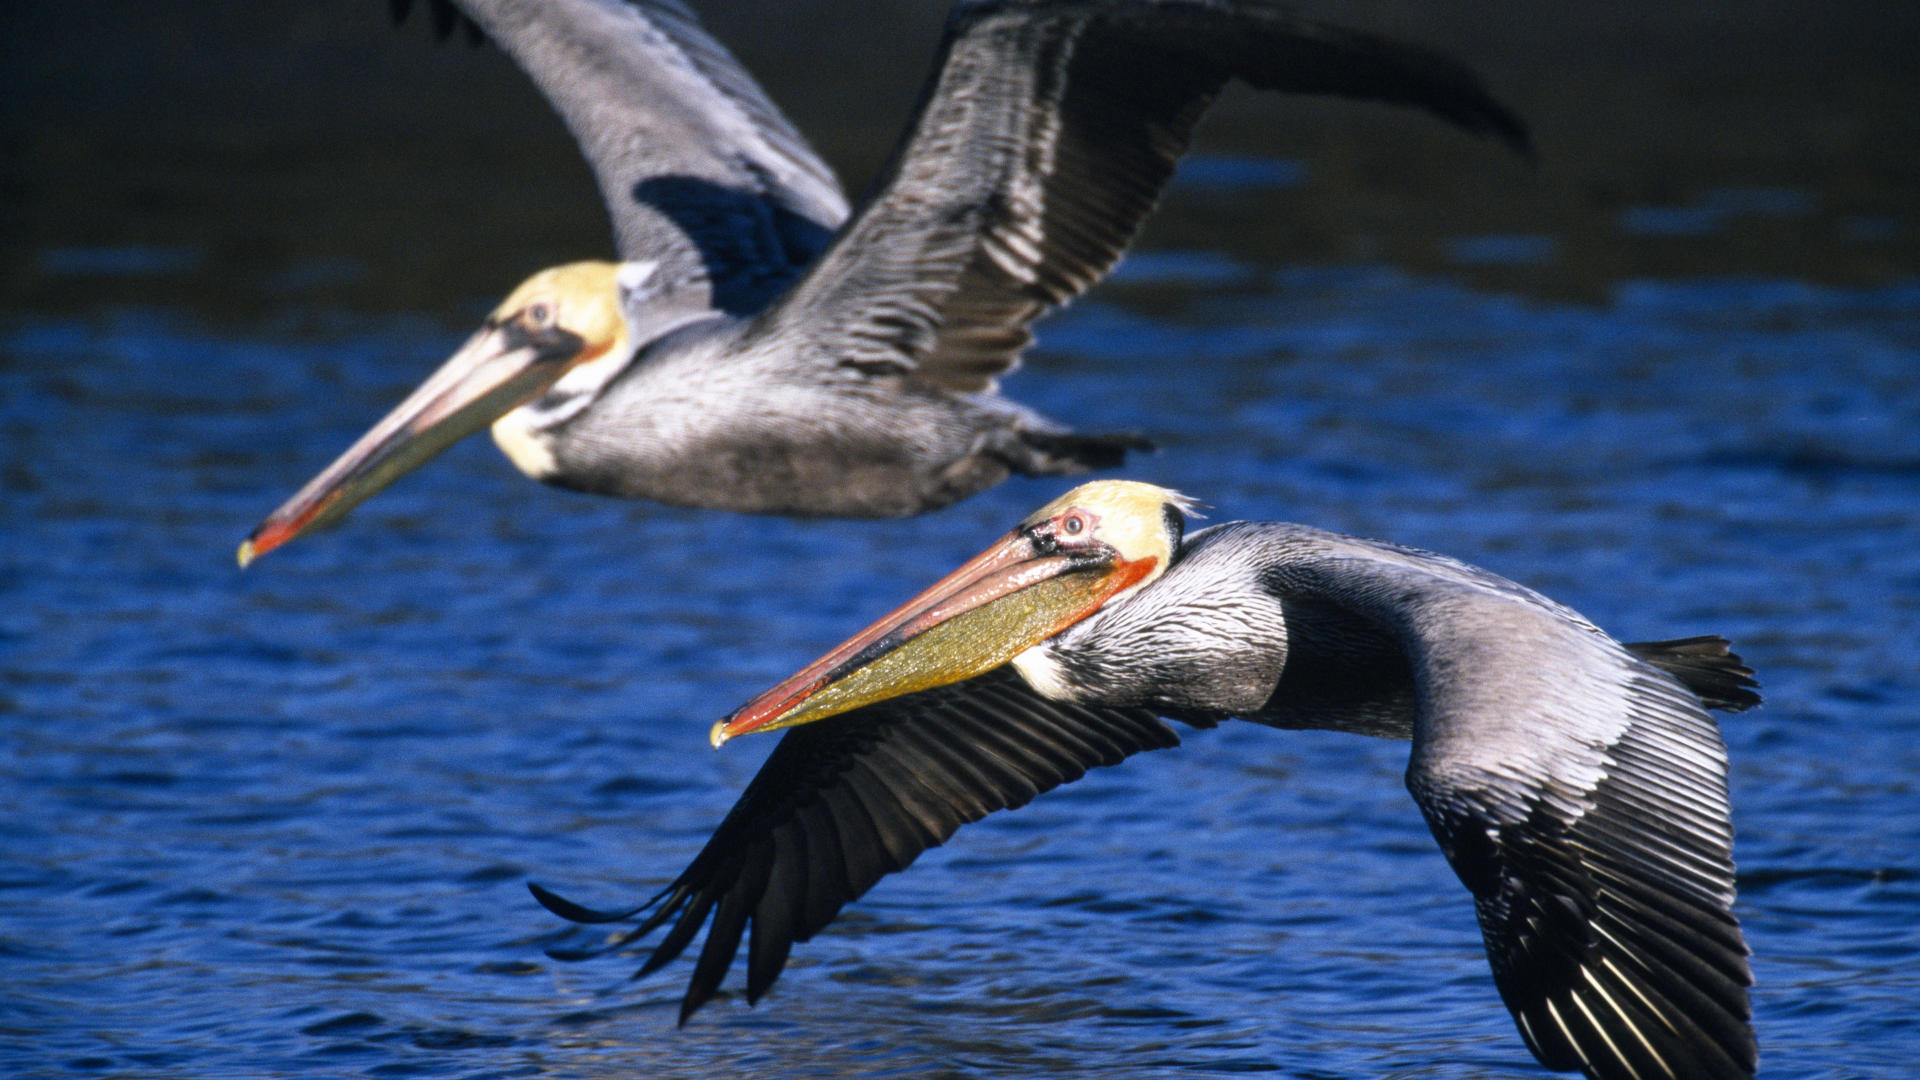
(524,444)
(1043,673)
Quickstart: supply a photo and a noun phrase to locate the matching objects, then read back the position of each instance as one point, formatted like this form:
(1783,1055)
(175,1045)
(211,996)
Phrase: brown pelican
(760,350)
(1577,785)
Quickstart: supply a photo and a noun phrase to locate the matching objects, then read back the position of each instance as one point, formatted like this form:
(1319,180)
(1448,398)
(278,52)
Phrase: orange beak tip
(718,734)
(260,541)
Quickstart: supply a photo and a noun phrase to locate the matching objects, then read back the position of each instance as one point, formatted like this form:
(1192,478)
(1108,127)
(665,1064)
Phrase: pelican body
(760,347)
(1577,785)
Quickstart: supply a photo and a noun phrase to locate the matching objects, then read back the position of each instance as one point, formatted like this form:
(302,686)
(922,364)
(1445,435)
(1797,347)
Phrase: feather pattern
(1042,143)
(1576,785)
(839,805)
(759,351)
(1578,789)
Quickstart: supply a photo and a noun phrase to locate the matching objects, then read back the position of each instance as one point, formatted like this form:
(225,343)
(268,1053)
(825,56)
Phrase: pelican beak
(500,368)
(1006,599)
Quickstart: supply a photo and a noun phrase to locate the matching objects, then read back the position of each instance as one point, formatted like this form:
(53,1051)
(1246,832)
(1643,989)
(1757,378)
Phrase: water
(279,823)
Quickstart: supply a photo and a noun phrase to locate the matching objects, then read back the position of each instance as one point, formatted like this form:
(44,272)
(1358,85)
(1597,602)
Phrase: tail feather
(1051,453)
(1706,665)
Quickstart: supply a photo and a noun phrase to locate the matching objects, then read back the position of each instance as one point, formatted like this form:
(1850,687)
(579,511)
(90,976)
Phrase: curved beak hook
(498,369)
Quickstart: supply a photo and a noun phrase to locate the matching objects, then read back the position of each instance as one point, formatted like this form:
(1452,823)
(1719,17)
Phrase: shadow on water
(280,823)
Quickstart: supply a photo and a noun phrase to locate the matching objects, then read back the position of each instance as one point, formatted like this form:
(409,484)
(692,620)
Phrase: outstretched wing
(843,802)
(700,171)
(1041,143)
(1577,786)
(1581,795)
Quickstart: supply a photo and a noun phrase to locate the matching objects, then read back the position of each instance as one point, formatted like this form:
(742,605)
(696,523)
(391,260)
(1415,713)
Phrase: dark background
(235,159)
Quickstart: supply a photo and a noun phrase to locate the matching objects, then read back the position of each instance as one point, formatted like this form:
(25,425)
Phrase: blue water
(279,822)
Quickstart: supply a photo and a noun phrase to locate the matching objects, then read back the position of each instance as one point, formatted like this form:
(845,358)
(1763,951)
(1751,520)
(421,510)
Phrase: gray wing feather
(1578,790)
(1042,142)
(700,171)
(1581,795)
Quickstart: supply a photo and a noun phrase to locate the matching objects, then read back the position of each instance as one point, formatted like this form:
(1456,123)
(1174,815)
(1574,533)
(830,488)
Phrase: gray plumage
(758,349)
(1576,784)
(1578,789)
(781,366)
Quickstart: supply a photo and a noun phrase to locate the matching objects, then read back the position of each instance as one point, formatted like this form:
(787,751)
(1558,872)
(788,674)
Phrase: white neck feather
(1044,673)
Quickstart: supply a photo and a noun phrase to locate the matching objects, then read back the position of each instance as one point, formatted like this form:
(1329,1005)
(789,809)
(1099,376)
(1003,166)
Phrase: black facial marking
(1176,523)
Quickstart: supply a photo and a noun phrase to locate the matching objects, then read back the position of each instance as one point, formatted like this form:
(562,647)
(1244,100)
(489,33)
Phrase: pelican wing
(700,171)
(1706,665)
(841,803)
(1042,142)
(1581,795)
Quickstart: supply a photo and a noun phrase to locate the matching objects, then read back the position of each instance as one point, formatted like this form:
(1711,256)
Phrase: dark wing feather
(1706,665)
(1042,142)
(1599,855)
(843,802)
(700,171)
(445,17)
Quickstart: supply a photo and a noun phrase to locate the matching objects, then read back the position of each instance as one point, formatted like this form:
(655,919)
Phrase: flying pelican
(760,350)
(1577,785)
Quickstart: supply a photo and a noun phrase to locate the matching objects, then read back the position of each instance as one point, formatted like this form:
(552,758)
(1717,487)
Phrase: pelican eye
(1074,528)
(1071,531)
(538,315)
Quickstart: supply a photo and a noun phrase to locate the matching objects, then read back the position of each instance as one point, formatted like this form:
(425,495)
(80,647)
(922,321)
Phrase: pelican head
(1065,561)
(557,321)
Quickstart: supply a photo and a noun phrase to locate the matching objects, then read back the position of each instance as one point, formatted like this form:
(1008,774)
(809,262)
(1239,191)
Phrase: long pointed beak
(497,370)
(1003,601)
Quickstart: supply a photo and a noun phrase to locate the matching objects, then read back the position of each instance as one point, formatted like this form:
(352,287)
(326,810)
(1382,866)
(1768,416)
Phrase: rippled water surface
(280,822)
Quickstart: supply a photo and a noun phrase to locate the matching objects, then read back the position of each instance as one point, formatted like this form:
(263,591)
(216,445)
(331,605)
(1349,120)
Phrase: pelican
(758,349)
(1576,785)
